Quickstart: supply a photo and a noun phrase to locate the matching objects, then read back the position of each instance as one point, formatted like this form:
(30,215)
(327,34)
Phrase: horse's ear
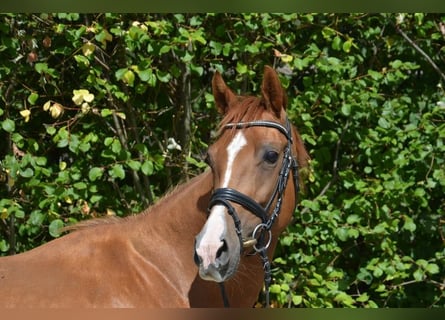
(273,93)
(222,93)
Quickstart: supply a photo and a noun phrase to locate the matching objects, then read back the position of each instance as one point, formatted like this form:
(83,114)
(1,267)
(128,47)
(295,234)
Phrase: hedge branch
(334,168)
(423,53)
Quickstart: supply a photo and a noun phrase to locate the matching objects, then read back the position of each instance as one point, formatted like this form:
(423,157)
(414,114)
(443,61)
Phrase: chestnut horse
(146,260)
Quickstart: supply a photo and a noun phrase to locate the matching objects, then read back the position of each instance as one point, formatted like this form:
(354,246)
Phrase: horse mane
(109,220)
(91,223)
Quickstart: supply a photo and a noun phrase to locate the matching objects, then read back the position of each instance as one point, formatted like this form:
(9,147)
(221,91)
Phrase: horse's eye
(271,157)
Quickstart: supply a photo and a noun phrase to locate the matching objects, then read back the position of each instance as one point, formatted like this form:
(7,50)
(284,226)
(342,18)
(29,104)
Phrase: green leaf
(62,143)
(95,173)
(297,299)
(375,75)
(346,109)
(432,268)
(27,173)
(163,76)
(120,73)
(51,130)
(128,78)
(81,60)
(8,125)
(4,246)
(381,228)
(347,46)
(116,146)
(80,185)
(198,164)
(241,68)
(164,49)
(145,75)
(384,123)
(311,204)
(275,288)
(147,168)
(328,32)
(134,165)
(55,227)
(409,224)
(41,67)
(396,63)
(336,43)
(32,98)
(342,234)
(108,141)
(363,297)
(19,213)
(418,275)
(96,198)
(117,171)
(365,276)
(353,218)
(353,233)
(344,299)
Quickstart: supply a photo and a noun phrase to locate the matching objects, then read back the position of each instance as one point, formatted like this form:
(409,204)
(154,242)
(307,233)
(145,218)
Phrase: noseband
(262,234)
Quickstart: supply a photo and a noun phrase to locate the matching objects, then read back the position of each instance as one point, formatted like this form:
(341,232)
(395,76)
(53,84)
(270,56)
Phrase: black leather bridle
(262,234)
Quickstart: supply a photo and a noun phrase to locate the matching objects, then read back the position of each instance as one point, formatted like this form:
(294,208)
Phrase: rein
(262,234)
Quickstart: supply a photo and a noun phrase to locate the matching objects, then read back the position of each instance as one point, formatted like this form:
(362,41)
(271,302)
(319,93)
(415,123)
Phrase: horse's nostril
(221,249)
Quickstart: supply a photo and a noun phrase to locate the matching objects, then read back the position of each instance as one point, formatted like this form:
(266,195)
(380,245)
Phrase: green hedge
(103,113)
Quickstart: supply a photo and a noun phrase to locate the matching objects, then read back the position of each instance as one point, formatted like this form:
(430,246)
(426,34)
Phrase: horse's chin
(220,273)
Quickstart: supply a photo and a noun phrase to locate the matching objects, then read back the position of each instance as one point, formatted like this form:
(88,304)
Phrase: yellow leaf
(80,92)
(85,108)
(121,115)
(4,214)
(25,114)
(88,97)
(286,58)
(108,36)
(47,105)
(79,96)
(62,165)
(77,99)
(88,49)
(56,110)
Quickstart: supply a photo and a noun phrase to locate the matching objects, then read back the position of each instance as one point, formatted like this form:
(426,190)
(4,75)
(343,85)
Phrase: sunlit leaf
(25,114)
(88,48)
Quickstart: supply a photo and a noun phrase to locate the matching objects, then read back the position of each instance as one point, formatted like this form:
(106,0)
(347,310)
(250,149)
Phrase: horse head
(255,171)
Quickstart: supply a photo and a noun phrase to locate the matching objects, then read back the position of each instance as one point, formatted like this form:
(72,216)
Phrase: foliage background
(100,114)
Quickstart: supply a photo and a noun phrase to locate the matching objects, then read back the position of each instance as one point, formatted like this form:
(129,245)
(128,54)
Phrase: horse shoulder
(93,267)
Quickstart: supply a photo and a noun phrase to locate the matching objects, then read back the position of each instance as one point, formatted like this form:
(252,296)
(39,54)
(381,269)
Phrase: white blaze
(238,142)
(215,227)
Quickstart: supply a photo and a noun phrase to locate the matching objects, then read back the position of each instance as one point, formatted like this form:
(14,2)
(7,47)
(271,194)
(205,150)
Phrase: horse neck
(165,233)
(179,215)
